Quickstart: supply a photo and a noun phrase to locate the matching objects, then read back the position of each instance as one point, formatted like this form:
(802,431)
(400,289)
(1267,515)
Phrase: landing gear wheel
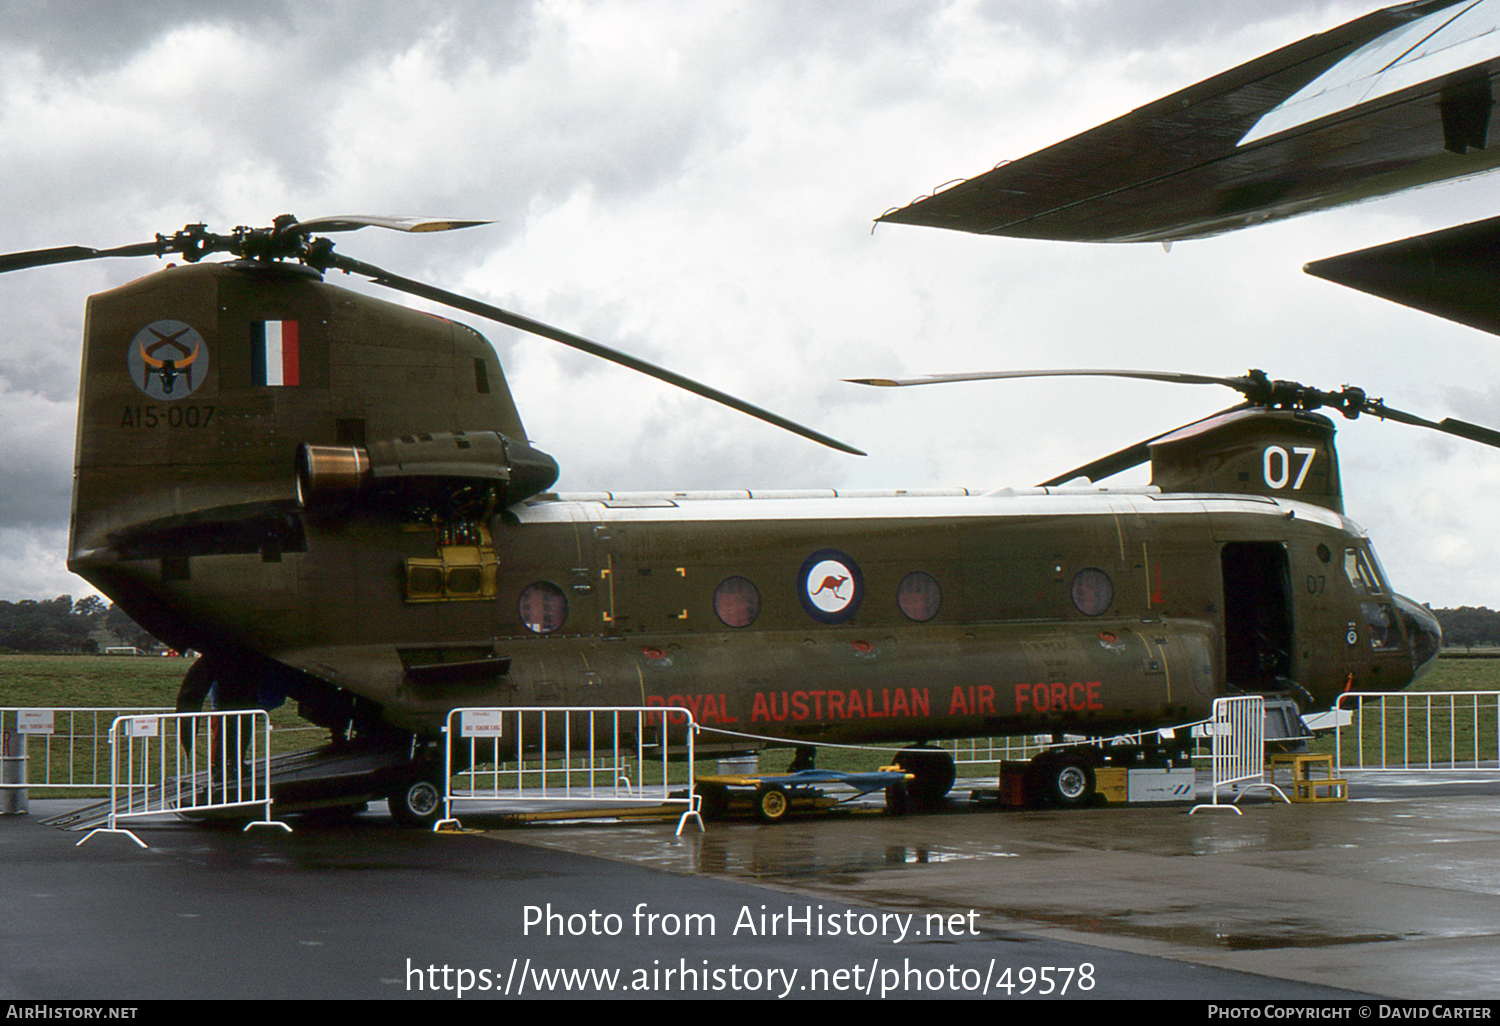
(1066,782)
(897,801)
(417,802)
(772,804)
(933,769)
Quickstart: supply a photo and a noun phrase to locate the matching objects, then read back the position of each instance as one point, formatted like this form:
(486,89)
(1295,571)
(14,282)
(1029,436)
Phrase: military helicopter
(334,499)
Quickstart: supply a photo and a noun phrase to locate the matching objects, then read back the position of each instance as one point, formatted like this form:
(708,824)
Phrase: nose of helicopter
(1423,633)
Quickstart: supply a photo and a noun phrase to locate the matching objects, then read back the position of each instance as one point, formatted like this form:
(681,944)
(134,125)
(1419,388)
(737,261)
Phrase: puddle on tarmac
(1226,936)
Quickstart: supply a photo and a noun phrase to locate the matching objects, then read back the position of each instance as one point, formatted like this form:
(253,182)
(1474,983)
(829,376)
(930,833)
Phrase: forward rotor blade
(354,222)
(69,254)
(1448,426)
(936,379)
(494,313)
(1473,432)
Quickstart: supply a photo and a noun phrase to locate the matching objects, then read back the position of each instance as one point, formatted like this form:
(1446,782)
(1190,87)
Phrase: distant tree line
(63,625)
(1468,626)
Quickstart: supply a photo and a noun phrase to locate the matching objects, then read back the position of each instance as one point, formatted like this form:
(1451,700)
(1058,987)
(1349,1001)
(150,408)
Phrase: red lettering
(856,704)
(956,705)
(1022,693)
(899,706)
(799,705)
(710,709)
(758,710)
(1075,701)
(986,702)
(1060,695)
(870,705)
(817,697)
(1094,701)
(836,705)
(921,702)
(652,719)
(1039,700)
(724,710)
(779,716)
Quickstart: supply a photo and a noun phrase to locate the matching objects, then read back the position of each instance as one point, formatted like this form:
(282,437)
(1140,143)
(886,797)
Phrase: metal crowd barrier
(1424,730)
(56,749)
(189,763)
(588,754)
(1238,726)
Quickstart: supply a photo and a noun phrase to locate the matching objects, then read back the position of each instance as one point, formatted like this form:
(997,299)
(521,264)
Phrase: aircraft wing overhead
(1397,98)
(1451,273)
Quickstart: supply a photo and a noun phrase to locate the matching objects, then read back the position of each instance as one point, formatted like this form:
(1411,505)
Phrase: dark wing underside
(1398,98)
(1452,273)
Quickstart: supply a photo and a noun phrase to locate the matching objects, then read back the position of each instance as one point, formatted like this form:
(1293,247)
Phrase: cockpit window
(1381,620)
(1362,577)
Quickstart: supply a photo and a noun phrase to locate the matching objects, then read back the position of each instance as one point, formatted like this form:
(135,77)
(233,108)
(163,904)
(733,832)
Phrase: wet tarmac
(1393,894)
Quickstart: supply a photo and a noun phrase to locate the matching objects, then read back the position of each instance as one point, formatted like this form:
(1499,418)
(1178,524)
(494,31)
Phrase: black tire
(897,801)
(772,804)
(1065,782)
(933,769)
(418,802)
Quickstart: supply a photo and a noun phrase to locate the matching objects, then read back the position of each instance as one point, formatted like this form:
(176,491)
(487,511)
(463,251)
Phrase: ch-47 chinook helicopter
(333,498)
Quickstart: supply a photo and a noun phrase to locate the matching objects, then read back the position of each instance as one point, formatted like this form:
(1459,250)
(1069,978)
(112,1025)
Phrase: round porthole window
(919,596)
(543,607)
(737,601)
(1093,591)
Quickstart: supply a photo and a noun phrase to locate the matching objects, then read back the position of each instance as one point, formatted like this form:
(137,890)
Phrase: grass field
(122,682)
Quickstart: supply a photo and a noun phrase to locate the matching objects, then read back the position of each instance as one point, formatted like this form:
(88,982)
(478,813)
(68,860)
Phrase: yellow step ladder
(1305,785)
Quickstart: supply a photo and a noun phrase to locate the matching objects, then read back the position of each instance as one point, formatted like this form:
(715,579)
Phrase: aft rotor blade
(69,254)
(354,222)
(526,324)
(1127,458)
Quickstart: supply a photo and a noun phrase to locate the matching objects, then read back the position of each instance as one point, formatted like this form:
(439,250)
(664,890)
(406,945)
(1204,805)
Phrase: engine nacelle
(422,467)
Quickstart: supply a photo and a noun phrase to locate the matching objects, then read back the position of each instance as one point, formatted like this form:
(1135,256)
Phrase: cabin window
(737,601)
(543,607)
(1361,577)
(919,596)
(1093,591)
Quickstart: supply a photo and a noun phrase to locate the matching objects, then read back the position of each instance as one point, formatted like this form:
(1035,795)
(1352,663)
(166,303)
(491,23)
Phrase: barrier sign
(480,723)
(34,721)
(143,726)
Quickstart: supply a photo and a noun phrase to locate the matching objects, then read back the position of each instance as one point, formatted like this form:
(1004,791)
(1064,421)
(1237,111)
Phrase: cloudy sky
(695,182)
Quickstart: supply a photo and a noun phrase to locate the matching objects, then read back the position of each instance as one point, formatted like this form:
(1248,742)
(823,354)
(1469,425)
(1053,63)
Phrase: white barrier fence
(593,755)
(61,749)
(189,763)
(1424,730)
(1238,727)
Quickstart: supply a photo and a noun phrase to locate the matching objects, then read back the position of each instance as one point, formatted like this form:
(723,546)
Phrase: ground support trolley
(773,796)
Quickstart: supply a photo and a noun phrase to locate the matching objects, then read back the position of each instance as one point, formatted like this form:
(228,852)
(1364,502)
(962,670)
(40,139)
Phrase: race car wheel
(772,804)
